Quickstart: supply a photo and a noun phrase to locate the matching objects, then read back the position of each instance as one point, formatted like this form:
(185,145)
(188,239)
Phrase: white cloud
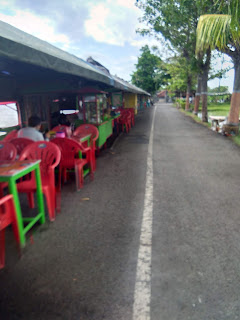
(40,27)
(7,3)
(127,3)
(112,22)
(68,24)
(133,58)
(140,42)
(98,25)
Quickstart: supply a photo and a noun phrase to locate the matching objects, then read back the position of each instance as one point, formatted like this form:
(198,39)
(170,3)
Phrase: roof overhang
(20,46)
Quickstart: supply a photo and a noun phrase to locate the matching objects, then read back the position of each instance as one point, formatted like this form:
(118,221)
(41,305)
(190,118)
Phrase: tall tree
(147,74)
(222,32)
(177,67)
(176,21)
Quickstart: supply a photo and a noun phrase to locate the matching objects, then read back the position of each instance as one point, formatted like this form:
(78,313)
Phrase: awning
(18,45)
(28,55)
(126,86)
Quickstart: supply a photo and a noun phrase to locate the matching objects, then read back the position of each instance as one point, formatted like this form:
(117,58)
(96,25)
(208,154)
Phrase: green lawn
(218,109)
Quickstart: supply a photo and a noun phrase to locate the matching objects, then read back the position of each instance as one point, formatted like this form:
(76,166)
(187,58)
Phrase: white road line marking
(142,294)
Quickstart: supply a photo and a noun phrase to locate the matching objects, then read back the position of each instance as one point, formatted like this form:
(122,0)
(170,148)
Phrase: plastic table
(83,137)
(11,171)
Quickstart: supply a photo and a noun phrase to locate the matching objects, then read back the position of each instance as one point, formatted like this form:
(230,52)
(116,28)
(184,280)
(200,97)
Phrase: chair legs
(7,217)
(125,126)
(1,191)
(79,176)
(30,196)
(51,203)
(93,160)
(3,185)
(2,248)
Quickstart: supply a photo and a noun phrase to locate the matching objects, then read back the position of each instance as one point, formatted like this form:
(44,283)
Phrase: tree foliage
(149,74)
(177,67)
(176,21)
(222,31)
(218,94)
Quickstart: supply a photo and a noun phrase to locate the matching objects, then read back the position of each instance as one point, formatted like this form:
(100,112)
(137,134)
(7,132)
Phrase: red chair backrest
(63,128)
(11,135)
(7,211)
(88,129)
(124,117)
(7,151)
(47,152)
(21,143)
(125,111)
(69,150)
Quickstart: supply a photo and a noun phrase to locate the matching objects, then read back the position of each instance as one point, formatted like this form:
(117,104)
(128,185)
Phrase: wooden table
(10,172)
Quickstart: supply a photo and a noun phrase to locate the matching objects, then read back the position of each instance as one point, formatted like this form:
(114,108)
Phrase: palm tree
(222,32)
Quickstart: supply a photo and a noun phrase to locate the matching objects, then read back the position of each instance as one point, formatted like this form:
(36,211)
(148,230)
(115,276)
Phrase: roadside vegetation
(218,109)
(195,33)
(215,109)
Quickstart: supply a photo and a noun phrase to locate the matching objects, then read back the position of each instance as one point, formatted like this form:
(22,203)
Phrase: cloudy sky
(103,29)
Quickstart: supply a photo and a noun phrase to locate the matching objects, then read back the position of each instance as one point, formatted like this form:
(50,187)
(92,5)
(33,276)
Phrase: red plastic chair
(62,128)
(132,111)
(89,129)
(21,143)
(7,152)
(50,156)
(7,217)
(124,122)
(128,114)
(11,135)
(70,160)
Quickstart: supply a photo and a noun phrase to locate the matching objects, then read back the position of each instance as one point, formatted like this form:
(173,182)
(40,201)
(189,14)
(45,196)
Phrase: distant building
(162,94)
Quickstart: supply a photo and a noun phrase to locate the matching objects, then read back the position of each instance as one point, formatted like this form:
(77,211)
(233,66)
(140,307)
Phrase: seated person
(54,119)
(32,131)
(62,119)
(58,118)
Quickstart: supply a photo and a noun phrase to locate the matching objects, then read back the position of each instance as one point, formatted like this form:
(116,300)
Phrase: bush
(180,103)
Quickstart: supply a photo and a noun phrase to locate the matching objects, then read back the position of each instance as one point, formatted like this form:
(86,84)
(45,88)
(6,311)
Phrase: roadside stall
(39,79)
(117,100)
(93,107)
(131,101)
(140,102)
(72,108)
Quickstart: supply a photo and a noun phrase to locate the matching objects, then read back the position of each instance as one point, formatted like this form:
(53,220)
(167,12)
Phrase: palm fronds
(235,14)
(213,31)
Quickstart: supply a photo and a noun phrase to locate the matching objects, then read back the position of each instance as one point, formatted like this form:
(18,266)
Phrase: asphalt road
(83,266)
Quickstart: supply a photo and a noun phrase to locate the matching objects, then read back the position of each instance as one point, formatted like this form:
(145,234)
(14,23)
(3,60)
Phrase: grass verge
(216,110)
(196,118)
(236,140)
